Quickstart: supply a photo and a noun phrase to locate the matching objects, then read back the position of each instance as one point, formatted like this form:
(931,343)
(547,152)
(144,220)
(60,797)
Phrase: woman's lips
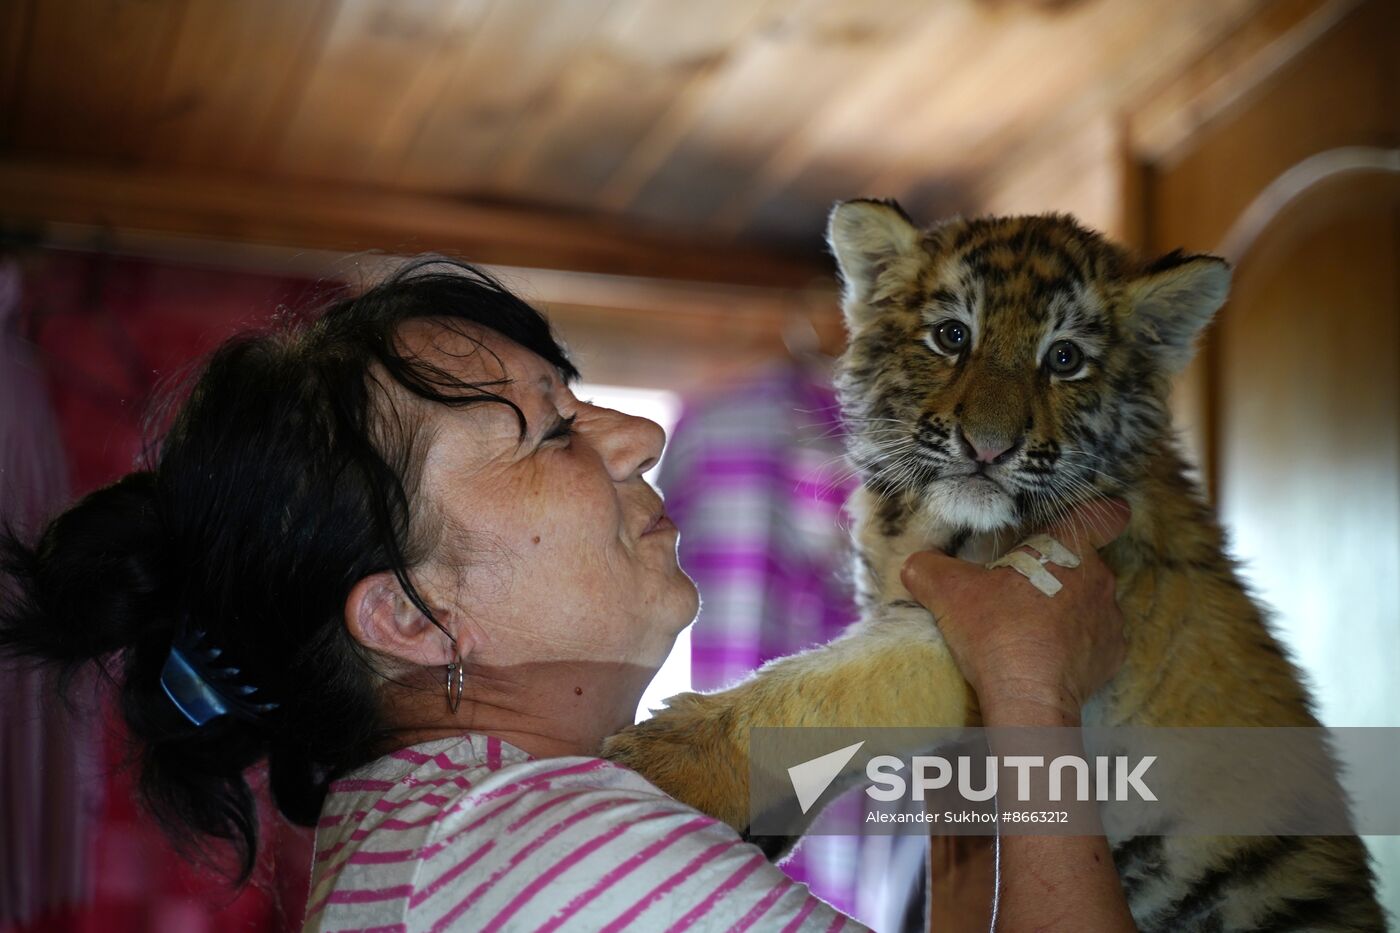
(662,522)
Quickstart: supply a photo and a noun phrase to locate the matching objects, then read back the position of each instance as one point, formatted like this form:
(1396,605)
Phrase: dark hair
(286,476)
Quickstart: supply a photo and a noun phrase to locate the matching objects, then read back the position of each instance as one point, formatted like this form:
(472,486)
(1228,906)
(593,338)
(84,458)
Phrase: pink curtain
(48,787)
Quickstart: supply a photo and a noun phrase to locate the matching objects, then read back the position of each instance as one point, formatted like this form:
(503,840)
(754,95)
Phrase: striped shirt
(471,833)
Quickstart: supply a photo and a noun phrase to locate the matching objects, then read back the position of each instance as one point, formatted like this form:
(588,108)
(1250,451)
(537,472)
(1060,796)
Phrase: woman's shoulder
(487,777)
(498,836)
(425,796)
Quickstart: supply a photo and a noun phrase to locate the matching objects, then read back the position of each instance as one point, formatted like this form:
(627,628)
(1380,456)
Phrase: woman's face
(556,548)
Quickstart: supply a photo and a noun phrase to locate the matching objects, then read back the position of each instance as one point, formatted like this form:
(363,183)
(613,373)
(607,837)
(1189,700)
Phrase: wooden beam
(34,196)
(1162,122)
(623,330)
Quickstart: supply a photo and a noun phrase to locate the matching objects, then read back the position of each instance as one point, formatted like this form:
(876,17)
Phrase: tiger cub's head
(1002,368)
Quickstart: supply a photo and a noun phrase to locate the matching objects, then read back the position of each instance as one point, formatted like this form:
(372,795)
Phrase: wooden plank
(356,218)
(782,77)
(1162,120)
(15,20)
(1339,91)
(865,95)
(1122,49)
(373,53)
(1135,180)
(231,68)
(1079,174)
(642,58)
(657,349)
(505,74)
(978,100)
(400,126)
(1325,97)
(1071,163)
(88,78)
(620,330)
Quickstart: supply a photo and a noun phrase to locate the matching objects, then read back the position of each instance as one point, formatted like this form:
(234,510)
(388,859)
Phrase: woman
(392,554)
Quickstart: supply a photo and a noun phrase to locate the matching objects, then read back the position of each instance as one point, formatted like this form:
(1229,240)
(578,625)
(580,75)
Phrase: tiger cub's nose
(988,449)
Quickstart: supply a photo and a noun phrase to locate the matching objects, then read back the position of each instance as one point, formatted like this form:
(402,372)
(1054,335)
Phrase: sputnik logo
(811,778)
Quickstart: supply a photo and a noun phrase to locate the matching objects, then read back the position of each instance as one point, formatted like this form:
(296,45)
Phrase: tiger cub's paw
(689,749)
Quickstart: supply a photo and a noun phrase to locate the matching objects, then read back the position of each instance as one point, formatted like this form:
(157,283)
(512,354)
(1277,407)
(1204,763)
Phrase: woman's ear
(382,618)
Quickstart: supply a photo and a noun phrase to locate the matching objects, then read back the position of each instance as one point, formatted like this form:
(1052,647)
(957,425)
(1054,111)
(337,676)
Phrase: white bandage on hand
(1033,568)
(1051,551)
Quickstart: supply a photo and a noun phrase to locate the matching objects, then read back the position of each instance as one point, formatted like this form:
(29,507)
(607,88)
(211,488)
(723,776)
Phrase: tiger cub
(998,370)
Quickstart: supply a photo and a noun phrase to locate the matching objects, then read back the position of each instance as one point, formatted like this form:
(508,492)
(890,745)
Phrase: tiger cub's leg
(892,669)
(1321,884)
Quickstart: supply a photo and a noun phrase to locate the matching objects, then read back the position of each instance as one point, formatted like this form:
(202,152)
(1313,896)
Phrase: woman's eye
(1064,358)
(950,337)
(564,429)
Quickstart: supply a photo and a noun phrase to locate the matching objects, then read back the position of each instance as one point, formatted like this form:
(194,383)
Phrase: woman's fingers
(1007,632)
(935,579)
(933,576)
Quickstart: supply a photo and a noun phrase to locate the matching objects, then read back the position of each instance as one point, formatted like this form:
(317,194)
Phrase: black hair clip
(200,689)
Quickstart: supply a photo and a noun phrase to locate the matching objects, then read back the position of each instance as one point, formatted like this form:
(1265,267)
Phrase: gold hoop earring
(456,679)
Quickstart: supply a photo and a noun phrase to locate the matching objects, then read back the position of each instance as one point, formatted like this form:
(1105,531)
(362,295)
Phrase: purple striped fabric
(755,478)
(565,844)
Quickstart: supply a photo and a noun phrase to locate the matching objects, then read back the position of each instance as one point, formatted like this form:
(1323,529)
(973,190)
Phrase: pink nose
(986,451)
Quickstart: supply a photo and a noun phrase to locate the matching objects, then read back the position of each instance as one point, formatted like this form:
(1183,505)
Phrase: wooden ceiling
(709,128)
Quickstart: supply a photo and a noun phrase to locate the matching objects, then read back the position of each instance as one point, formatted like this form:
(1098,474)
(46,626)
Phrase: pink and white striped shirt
(471,833)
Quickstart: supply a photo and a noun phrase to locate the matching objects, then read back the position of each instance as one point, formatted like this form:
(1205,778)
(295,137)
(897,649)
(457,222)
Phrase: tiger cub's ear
(1173,301)
(867,237)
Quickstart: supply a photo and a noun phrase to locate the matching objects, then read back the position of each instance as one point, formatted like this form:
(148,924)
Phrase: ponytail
(93,583)
(96,589)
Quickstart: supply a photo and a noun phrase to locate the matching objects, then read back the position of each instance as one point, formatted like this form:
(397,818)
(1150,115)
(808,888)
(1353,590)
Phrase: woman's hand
(1033,660)
(1030,656)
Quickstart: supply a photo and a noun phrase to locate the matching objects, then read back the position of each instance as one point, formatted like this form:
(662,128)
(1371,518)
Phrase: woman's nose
(630,445)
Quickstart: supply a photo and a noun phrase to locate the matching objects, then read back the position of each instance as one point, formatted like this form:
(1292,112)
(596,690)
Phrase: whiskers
(1072,494)
(874,446)
(883,452)
(892,459)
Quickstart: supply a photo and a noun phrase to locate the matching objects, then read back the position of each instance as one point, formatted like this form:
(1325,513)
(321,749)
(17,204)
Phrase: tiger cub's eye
(950,336)
(1064,358)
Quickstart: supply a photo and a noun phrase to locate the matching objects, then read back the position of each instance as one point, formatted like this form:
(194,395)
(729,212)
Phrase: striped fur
(1200,652)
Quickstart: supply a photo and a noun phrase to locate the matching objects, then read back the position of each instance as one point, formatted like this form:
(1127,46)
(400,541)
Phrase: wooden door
(1295,401)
